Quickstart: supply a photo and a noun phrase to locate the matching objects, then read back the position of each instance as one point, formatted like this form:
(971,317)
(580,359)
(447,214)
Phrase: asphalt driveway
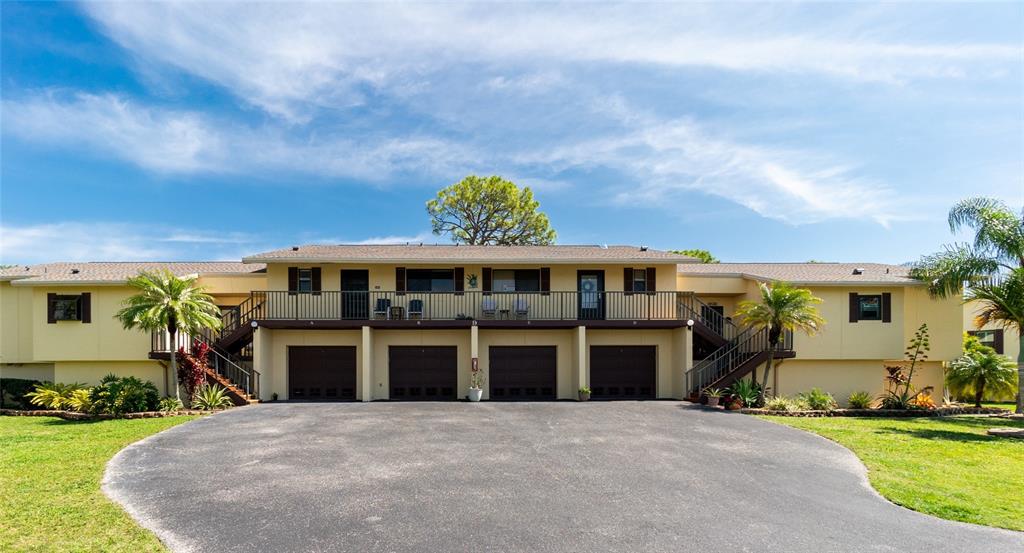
(532,477)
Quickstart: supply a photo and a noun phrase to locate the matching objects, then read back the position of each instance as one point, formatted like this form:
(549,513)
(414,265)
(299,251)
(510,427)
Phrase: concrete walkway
(530,477)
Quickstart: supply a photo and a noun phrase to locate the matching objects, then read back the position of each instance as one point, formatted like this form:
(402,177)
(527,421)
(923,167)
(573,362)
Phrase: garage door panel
(424,373)
(623,372)
(322,372)
(522,372)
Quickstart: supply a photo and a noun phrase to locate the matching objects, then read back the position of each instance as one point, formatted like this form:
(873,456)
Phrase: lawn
(944,467)
(50,472)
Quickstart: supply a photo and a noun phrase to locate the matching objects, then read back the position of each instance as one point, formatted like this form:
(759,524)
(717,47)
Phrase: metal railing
(233,367)
(749,343)
(434,306)
(696,309)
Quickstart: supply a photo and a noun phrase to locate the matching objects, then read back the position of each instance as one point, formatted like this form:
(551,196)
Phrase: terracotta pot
(734,405)
(713,401)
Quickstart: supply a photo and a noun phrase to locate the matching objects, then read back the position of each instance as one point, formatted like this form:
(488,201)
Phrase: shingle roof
(114,272)
(807,273)
(317,253)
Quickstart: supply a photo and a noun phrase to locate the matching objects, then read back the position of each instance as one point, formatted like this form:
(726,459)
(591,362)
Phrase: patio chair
(488,308)
(522,308)
(415,309)
(382,309)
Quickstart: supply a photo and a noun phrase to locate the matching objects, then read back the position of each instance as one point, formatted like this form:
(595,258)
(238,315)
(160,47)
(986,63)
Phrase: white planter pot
(475,394)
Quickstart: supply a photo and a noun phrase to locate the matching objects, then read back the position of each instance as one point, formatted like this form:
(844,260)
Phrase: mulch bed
(74,416)
(938,412)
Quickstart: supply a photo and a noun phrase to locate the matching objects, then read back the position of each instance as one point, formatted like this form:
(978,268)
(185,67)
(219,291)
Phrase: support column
(580,373)
(366,366)
(474,355)
(682,361)
(262,363)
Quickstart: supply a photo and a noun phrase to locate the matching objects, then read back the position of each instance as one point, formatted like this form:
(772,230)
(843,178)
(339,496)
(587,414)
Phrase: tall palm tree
(782,308)
(992,267)
(981,369)
(165,302)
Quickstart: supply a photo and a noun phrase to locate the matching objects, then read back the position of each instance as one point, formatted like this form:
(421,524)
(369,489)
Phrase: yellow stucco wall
(841,378)
(101,340)
(16,324)
(1011,338)
(27,371)
(90,372)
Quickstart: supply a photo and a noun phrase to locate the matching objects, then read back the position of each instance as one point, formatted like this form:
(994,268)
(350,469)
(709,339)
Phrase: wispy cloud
(288,58)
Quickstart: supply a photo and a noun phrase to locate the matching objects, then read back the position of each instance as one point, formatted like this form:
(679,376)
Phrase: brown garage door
(423,372)
(322,372)
(623,372)
(522,372)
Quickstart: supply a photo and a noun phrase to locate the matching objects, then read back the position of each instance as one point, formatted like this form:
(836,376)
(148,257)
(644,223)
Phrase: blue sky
(762,132)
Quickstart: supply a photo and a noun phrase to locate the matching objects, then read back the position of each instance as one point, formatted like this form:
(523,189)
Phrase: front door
(355,294)
(590,285)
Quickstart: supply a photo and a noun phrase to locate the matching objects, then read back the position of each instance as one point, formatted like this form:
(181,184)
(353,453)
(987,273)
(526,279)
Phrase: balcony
(461,308)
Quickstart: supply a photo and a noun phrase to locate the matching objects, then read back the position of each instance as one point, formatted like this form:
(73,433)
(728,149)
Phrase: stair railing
(691,307)
(730,357)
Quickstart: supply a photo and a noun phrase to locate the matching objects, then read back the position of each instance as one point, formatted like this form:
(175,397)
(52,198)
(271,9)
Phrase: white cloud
(289,58)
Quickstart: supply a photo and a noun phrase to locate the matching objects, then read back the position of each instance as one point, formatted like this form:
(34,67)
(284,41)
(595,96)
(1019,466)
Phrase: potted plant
(584,393)
(476,383)
(734,403)
(713,395)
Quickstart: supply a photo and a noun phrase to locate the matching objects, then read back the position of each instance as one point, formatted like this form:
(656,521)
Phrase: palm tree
(981,369)
(782,308)
(992,267)
(165,302)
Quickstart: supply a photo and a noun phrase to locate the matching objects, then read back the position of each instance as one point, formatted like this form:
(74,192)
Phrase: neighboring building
(1005,342)
(408,322)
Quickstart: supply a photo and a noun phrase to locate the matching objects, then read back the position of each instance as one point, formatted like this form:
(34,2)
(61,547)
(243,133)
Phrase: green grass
(944,467)
(1008,405)
(50,472)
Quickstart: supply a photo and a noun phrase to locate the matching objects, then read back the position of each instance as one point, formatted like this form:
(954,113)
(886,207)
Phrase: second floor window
(990,338)
(639,280)
(430,280)
(870,308)
(67,308)
(305,281)
(516,280)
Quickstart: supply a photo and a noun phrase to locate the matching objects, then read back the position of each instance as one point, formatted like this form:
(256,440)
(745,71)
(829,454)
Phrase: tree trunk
(1020,373)
(979,392)
(174,362)
(767,371)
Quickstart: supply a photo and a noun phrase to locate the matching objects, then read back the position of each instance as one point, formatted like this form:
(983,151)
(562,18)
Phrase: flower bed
(76,416)
(937,412)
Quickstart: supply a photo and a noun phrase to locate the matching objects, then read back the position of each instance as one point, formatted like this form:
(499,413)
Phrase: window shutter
(85,307)
(652,279)
(460,279)
(487,283)
(400,280)
(627,279)
(997,341)
(51,299)
(293,279)
(315,281)
(854,307)
(886,307)
(545,279)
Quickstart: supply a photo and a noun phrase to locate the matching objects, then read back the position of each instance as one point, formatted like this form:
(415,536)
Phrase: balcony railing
(448,306)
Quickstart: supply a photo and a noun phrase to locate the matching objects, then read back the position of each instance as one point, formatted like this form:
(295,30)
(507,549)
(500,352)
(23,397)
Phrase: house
(410,322)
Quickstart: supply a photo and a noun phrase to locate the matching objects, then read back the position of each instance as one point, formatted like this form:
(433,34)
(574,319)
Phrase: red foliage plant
(192,367)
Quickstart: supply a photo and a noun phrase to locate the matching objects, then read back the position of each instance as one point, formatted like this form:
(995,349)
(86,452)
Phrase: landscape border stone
(894,413)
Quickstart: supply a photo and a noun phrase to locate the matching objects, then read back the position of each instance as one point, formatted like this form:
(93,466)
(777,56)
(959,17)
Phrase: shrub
(192,368)
(13,390)
(859,400)
(53,395)
(80,400)
(818,400)
(900,392)
(211,396)
(746,391)
(117,396)
(170,404)
(779,403)
(924,401)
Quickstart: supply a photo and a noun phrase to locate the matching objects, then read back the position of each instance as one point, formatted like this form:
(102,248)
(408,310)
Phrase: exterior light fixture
(254,325)
(689,324)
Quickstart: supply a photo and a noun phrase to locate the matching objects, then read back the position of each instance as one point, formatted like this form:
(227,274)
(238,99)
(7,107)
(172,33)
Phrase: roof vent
(643,248)
(858,271)
(295,248)
(886,270)
(74,271)
(604,246)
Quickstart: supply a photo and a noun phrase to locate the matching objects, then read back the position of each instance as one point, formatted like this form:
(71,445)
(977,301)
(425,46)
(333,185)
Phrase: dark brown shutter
(854,307)
(51,300)
(293,279)
(315,279)
(85,306)
(997,341)
(460,279)
(400,279)
(886,307)
(652,279)
(545,279)
(627,279)
(487,283)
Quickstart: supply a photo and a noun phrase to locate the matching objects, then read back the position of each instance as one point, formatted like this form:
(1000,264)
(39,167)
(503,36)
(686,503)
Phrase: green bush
(818,400)
(170,404)
(780,403)
(117,396)
(859,400)
(53,395)
(211,396)
(746,391)
(13,390)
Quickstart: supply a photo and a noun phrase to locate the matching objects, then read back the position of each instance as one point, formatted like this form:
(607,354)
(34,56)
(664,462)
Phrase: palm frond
(999,232)
(782,307)
(162,298)
(947,271)
(1001,301)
